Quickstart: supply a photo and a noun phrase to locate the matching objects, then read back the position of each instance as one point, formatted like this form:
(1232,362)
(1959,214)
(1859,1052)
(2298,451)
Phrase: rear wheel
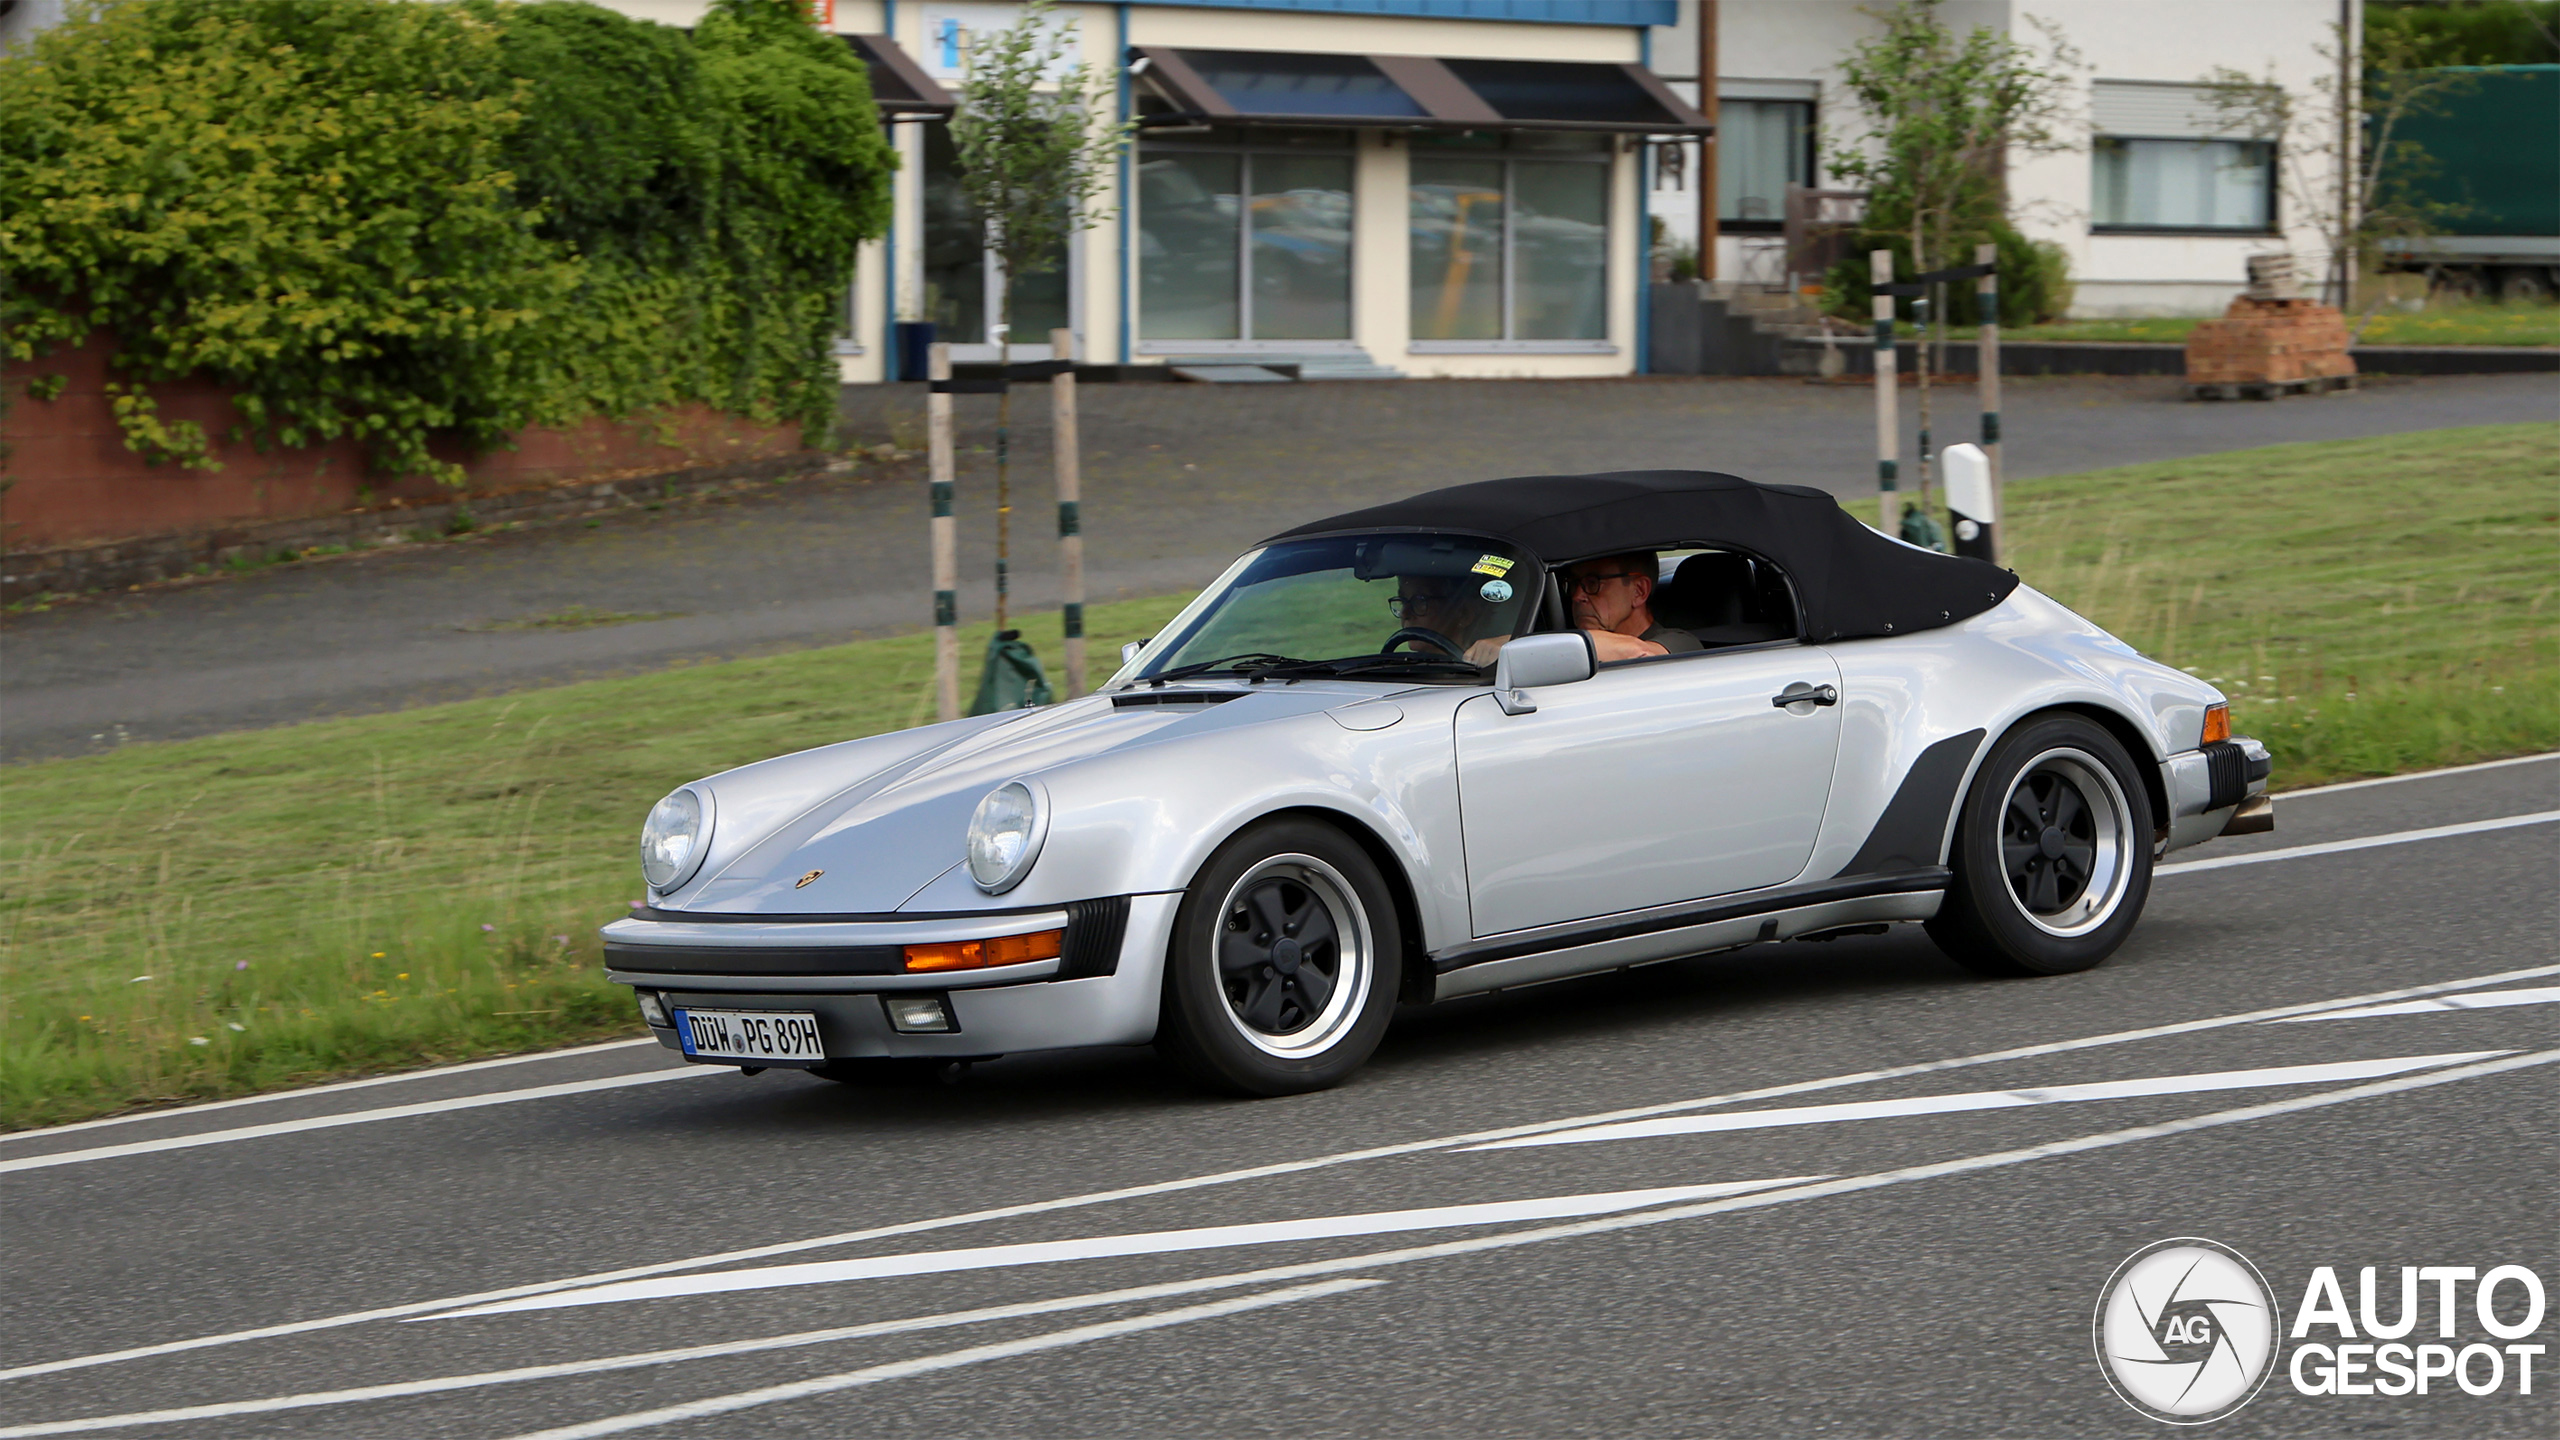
(2052,853)
(1278,981)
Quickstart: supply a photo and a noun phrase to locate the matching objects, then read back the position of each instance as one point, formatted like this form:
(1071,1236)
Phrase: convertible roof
(1852,581)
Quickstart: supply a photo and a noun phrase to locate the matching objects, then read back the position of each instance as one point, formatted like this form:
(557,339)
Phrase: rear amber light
(2217,723)
(979,954)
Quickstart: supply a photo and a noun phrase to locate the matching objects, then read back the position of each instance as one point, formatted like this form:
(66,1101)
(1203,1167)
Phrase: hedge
(412,222)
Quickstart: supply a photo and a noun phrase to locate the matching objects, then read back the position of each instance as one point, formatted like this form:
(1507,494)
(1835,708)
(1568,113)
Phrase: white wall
(2162,40)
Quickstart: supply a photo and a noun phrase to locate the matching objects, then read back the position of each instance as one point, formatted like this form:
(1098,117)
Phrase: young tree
(2345,170)
(1036,157)
(1939,117)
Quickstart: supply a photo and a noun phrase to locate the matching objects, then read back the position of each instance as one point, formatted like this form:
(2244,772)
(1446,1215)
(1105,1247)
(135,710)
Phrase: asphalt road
(1697,1277)
(1178,479)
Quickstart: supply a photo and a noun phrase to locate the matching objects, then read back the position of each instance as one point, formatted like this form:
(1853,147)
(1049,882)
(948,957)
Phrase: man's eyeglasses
(1402,605)
(1590,583)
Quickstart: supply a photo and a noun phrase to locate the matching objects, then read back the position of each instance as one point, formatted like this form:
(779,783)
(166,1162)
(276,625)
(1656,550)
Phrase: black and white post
(1888,423)
(1972,502)
(942,466)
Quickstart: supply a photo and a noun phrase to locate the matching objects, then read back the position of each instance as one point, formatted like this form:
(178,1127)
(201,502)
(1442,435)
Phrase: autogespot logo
(2186,1331)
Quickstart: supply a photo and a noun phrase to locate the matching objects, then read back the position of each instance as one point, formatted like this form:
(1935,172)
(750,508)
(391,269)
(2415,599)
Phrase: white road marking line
(180,1112)
(353,1117)
(2420,775)
(951,1360)
(2487,1000)
(445,1384)
(1995,1100)
(2364,842)
(1098,1247)
(1602,1225)
(1609,1224)
(1257,1172)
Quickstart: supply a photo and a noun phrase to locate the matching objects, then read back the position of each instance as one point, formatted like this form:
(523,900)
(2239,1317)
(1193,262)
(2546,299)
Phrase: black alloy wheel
(1281,977)
(2052,853)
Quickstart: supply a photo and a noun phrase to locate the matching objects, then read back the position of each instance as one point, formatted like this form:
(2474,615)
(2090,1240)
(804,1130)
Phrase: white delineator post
(1064,449)
(946,554)
(1986,308)
(1888,424)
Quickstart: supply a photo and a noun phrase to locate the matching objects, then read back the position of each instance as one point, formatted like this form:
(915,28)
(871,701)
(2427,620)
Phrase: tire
(1252,1003)
(2052,853)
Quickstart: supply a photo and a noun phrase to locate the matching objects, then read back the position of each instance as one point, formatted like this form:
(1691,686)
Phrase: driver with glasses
(1611,597)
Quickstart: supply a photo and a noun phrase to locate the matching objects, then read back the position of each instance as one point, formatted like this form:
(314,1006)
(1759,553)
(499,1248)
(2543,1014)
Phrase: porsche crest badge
(804,880)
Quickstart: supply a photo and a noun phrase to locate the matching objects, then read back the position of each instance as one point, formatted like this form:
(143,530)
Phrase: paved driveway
(1178,478)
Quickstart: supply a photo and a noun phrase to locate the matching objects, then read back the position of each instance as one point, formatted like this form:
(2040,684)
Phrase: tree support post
(1986,308)
(1888,424)
(946,555)
(1065,451)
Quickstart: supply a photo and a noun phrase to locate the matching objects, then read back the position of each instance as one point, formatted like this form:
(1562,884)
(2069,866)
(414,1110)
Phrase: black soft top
(1852,581)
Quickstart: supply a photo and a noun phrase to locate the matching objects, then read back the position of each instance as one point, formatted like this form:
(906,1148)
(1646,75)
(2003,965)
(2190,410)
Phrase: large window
(1244,237)
(2184,184)
(1510,241)
(1762,147)
(961,297)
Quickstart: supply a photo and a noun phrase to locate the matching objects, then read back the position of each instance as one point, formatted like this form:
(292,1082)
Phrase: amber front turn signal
(979,954)
(2217,726)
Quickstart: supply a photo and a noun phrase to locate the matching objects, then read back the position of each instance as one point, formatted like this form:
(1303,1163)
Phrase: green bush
(409,223)
(2035,279)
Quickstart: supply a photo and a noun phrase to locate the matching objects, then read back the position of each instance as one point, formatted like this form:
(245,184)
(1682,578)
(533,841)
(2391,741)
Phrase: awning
(1409,92)
(899,85)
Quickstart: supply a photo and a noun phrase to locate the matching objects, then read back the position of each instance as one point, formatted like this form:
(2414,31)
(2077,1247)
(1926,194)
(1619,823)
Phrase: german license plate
(749,1035)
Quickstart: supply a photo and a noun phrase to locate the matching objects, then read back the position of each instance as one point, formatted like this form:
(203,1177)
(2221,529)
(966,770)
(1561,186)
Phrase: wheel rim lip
(2111,864)
(1353,975)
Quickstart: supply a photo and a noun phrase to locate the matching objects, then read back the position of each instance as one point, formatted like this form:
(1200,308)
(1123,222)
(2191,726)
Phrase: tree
(2345,170)
(1941,117)
(1036,157)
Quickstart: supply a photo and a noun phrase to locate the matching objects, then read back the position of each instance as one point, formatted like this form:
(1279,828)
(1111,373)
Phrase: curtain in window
(1760,150)
(2183,184)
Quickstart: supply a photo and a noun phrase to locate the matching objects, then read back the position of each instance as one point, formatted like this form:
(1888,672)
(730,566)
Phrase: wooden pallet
(2270,389)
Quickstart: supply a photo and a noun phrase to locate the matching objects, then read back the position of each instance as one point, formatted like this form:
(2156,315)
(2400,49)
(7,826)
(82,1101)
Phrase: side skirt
(1912,895)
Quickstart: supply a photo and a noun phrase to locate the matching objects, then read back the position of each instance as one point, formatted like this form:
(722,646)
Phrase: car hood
(869,835)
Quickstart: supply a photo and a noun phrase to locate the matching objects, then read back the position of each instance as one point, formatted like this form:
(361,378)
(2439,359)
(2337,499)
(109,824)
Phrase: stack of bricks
(2264,340)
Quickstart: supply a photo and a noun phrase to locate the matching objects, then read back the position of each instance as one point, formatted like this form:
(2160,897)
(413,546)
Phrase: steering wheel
(1454,650)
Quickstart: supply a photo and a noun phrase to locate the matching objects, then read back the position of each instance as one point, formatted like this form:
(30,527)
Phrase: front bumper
(2209,786)
(1102,991)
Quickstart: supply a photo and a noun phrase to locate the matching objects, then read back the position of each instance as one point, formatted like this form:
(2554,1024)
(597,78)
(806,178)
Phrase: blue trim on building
(1124,282)
(1542,12)
(889,246)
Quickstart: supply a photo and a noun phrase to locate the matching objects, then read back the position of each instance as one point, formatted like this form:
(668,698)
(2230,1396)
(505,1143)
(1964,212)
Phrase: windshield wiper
(1353,664)
(1245,661)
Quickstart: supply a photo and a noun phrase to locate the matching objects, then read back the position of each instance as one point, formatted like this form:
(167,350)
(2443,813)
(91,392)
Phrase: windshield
(1341,602)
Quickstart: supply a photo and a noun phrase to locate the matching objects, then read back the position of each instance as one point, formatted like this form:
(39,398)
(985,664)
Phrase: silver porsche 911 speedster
(1489,736)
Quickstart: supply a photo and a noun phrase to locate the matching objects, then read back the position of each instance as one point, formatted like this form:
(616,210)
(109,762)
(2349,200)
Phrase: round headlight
(1004,837)
(672,843)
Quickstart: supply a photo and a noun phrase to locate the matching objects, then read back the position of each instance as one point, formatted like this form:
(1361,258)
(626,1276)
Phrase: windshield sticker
(1495,565)
(1496,591)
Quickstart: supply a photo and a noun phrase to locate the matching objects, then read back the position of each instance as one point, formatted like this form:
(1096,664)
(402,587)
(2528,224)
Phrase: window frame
(1509,343)
(2274,188)
(1777,225)
(1244,146)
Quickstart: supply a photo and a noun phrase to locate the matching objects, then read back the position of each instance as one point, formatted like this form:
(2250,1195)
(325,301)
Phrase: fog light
(654,1010)
(979,954)
(919,1014)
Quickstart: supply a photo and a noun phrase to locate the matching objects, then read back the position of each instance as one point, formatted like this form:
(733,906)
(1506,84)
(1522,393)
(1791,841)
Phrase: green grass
(2463,324)
(395,890)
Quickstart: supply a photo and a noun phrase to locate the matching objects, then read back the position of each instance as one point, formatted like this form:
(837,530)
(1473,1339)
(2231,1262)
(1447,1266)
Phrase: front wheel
(1280,978)
(2052,853)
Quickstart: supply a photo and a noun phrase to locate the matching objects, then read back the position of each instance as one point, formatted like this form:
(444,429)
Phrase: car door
(1652,782)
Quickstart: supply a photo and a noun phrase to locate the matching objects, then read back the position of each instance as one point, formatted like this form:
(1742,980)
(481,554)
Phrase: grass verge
(2463,324)
(199,918)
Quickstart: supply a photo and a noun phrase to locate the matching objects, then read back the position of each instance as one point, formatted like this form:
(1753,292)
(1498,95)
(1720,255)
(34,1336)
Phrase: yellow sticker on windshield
(1496,565)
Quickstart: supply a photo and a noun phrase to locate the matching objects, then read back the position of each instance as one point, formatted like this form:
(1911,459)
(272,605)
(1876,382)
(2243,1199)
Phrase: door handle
(1802,694)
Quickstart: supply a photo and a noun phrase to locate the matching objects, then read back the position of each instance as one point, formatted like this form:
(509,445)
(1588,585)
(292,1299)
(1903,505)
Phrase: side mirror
(1129,651)
(1535,660)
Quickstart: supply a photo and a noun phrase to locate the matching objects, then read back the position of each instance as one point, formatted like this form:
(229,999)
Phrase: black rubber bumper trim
(2228,767)
(1091,948)
(1766,902)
